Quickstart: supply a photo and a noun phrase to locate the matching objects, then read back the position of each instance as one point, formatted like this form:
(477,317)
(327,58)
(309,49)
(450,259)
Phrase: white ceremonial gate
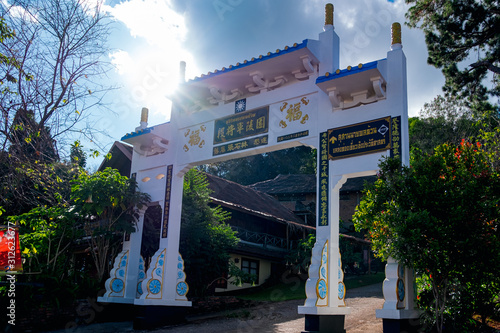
(294,96)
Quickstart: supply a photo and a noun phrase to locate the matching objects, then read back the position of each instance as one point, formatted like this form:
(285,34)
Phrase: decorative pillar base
(151,317)
(395,321)
(119,300)
(324,324)
(402,325)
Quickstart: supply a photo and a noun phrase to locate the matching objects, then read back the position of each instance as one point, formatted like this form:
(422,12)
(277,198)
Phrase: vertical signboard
(166,207)
(323,180)
(396,137)
(10,251)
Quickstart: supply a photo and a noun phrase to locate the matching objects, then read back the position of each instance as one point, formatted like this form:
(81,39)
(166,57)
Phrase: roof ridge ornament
(220,98)
(263,85)
(328,16)
(396,36)
(308,66)
(144,119)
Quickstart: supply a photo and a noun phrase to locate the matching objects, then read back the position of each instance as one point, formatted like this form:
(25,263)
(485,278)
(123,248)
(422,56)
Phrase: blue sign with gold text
(359,139)
(241,125)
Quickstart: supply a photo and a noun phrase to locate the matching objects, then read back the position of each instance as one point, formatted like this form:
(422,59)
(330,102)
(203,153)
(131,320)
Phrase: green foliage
(77,155)
(463,40)
(444,120)
(256,168)
(47,237)
(27,184)
(108,205)
(61,43)
(237,277)
(300,257)
(441,217)
(46,234)
(99,209)
(205,237)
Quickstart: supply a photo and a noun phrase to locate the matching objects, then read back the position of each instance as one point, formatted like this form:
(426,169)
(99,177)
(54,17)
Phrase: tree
(463,40)
(205,237)
(30,184)
(441,217)
(260,167)
(444,120)
(61,44)
(77,155)
(108,206)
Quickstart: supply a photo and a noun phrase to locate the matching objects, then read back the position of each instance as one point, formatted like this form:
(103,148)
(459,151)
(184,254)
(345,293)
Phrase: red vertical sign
(10,251)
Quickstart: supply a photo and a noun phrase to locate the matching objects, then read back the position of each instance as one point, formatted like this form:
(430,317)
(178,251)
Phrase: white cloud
(148,60)
(122,61)
(152,20)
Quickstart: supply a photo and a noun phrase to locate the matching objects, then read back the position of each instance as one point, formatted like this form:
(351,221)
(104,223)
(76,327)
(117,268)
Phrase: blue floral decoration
(182,288)
(401,290)
(179,265)
(322,289)
(180,275)
(323,272)
(341,290)
(158,271)
(160,262)
(139,288)
(121,273)
(117,285)
(154,286)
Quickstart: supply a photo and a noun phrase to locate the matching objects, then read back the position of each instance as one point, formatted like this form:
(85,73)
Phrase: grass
(294,288)
(363,280)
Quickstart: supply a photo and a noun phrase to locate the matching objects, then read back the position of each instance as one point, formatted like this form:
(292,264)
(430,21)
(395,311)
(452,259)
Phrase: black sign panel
(292,136)
(240,145)
(359,139)
(396,137)
(323,180)
(241,125)
(166,206)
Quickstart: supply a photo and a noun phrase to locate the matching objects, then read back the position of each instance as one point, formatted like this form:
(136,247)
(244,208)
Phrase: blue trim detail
(251,62)
(346,72)
(134,134)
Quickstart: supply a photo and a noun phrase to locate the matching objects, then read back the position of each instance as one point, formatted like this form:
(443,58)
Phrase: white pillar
(325,289)
(165,282)
(121,287)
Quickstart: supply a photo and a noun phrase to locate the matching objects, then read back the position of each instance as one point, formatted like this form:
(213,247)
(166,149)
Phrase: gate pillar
(325,306)
(165,282)
(121,286)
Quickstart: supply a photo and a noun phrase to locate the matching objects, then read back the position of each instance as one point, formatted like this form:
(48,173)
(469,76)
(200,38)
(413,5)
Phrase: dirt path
(275,317)
(282,317)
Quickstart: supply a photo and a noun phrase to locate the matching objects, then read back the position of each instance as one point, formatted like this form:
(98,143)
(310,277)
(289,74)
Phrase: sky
(151,37)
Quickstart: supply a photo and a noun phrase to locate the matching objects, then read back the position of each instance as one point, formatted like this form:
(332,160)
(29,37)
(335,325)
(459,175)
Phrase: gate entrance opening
(294,96)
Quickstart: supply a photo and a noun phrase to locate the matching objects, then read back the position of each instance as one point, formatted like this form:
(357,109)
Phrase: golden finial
(329,14)
(396,33)
(144,115)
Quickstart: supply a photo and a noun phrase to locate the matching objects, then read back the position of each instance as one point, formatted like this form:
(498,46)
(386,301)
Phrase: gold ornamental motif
(396,33)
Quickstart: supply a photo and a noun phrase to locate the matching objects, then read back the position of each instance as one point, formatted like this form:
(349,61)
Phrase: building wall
(348,203)
(264,272)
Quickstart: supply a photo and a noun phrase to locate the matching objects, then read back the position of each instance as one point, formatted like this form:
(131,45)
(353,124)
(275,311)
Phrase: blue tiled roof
(140,132)
(286,49)
(348,71)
